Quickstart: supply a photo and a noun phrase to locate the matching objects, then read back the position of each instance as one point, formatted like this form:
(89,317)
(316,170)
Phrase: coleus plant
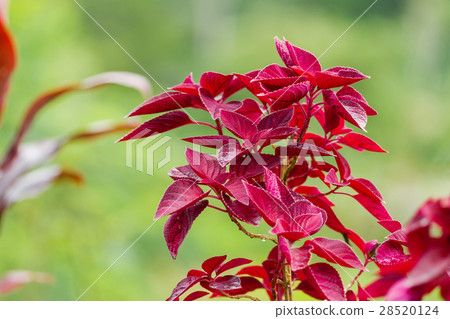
(24,172)
(265,157)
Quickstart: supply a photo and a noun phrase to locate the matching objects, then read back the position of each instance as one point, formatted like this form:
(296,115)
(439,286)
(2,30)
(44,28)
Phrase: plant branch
(287,283)
(240,296)
(218,208)
(249,234)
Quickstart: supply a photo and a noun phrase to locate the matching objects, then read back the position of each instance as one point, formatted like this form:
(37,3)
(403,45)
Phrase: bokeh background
(75,232)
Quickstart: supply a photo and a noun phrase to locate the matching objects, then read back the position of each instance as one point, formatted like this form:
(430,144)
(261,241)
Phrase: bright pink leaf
(277,76)
(300,257)
(335,251)
(242,212)
(349,93)
(365,186)
(225,283)
(373,206)
(188,86)
(360,142)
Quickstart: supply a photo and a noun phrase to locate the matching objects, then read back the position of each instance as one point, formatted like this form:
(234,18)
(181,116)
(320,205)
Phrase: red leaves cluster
(254,182)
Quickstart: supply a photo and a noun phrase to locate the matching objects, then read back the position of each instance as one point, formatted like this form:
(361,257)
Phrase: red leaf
(338,76)
(301,149)
(178,225)
(332,178)
(213,263)
(214,82)
(343,166)
(182,286)
(254,271)
(269,208)
(239,125)
(300,257)
(276,188)
(348,110)
(228,152)
(277,76)
(183,172)
(360,142)
(378,288)
(7,55)
(284,97)
(188,86)
(212,141)
(250,109)
(233,263)
(160,124)
(366,187)
(253,164)
(181,194)
(373,206)
(335,251)
(326,281)
(225,283)
(276,119)
(248,284)
(349,93)
(214,107)
(196,295)
(164,102)
(390,253)
(205,165)
(242,212)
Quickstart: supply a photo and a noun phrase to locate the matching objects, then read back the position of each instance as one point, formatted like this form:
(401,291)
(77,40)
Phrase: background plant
(24,169)
(274,187)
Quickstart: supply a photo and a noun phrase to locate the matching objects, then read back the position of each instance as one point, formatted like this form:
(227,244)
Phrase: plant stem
(287,279)
(249,234)
(239,296)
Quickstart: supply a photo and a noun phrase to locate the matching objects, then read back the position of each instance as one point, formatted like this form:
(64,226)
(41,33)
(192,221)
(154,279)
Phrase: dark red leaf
(204,165)
(276,119)
(188,86)
(225,283)
(178,225)
(167,101)
(269,207)
(253,164)
(196,295)
(242,212)
(214,82)
(326,281)
(178,196)
(233,263)
(251,109)
(254,271)
(212,141)
(183,286)
(213,263)
(239,125)
(365,186)
(160,124)
(214,107)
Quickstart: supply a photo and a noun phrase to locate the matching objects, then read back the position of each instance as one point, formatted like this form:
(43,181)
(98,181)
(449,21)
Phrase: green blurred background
(75,232)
